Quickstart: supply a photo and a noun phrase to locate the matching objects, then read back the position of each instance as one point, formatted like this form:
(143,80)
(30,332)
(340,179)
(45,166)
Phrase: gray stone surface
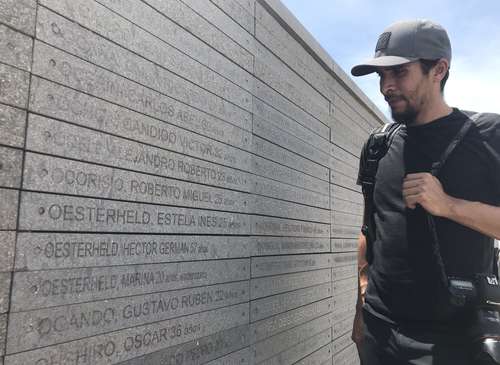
(63,34)
(41,289)
(38,251)
(12,125)
(3,334)
(241,12)
(10,167)
(269,327)
(275,265)
(262,287)
(14,85)
(267,226)
(241,357)
(83,76)
(5,280)
(62,176)
(284,157)
(202,349)
(66,140)
(263,246)
(343,245)
(15,48)
(273,305)
(138,341)
(284,191)
(19,14)
(281,342)
(39,328)
(344,272)
(46,212)
(344,285)
(188,19)
(274,207)
(348,356)
(8,209)
(63,103)
(341,343)
(318,357)
(7,247)
(300,351)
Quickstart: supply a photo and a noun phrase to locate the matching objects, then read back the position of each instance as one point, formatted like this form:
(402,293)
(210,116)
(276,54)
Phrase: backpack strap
(375,148)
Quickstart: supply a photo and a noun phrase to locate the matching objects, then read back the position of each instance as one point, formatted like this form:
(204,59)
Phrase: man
(399,319)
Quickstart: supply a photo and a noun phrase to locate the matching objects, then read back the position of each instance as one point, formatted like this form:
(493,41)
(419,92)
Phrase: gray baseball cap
(407,41)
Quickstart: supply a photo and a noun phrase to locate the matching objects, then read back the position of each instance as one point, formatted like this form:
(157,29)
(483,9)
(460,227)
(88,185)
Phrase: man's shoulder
(487,124)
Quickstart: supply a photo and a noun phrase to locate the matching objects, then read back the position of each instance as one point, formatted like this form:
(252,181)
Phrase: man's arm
(426,190)
(357,330)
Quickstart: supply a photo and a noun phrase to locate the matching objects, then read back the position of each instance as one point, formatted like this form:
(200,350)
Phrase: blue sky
(348,31)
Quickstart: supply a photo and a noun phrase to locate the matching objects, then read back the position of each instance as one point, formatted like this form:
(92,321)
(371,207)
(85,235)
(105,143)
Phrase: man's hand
(426,190)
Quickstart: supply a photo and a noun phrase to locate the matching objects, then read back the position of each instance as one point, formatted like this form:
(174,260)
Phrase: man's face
(406,89)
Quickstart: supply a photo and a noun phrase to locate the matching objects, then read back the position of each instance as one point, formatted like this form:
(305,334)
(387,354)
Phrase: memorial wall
(177,185)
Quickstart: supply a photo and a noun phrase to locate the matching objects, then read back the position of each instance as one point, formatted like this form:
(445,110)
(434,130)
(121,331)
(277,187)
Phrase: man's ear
(441,69)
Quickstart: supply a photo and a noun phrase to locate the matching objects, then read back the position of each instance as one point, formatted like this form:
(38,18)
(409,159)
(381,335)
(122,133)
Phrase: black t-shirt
(402,283)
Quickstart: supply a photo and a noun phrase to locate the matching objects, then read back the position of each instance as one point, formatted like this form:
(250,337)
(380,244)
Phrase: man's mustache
(390,98)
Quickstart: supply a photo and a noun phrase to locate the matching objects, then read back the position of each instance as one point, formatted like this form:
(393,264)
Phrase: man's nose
(387,84)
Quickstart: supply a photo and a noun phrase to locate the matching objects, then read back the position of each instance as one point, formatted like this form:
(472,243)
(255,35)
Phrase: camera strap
(436,167)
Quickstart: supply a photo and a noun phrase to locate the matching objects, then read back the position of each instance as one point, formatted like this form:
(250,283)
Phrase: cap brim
(382,61)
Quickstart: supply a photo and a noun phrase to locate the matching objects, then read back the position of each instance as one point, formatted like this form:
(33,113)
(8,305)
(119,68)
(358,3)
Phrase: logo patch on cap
(383,41)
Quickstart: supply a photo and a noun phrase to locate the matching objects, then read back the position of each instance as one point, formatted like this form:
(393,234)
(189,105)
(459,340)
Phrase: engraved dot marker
(55,28)
(11,46)
(52,62)
(41,210)
(38,249)
(34,288)
(44,172)
(47,135)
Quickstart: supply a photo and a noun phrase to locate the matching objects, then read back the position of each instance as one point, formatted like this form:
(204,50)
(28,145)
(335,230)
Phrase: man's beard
(407,116)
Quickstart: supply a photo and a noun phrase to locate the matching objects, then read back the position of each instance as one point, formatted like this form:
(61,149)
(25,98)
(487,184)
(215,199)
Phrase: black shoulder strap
(376,147)
(436,167)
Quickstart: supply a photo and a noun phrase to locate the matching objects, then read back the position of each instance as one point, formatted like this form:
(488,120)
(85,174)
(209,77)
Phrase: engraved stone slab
(201,350)
(275,171)
(7,247)
(5,278)
(238,12)
(345,206)
(344,285)
(273,345)
(40,289)
(341,343)
(57,175)
(286,140)
(82,76)
(50,136)
(345,303)
(299,351)
(38,251)
(282,322)
(8,209)
(19,14)
(284,157)
(274,207)
(12,124)
(347,219)
(10,167)
(344,259)
(341,193)
(241,357)
(15,48)
(187,18)
(275,265)
(14,85)
(3,334)
(134,342)
(223,22)
(344,272)
(342,327)
(344,245)
(267,307)
(170,33)
(289,245)
(349,232)
(286,227)
(348,356)
(62,213)
(29,330)
(262,287)
(67,104)
(65,35)
(319,357)
(283,191)
(279,102)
